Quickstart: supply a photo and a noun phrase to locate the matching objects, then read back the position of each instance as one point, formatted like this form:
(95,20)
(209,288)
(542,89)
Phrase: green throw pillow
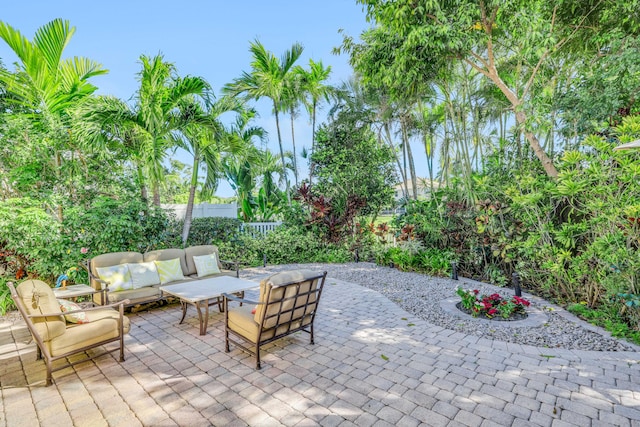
(169,271)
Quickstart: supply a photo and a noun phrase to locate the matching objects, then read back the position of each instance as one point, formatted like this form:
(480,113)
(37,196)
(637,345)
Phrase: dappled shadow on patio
(372,362)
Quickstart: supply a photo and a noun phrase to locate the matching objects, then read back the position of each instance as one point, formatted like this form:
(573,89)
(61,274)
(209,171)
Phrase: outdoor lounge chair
(58,339)
(288,303)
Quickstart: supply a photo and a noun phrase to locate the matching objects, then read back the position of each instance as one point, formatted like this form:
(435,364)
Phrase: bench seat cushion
(147,293)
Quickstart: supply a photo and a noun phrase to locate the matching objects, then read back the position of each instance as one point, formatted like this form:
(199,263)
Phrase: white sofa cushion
(144,274)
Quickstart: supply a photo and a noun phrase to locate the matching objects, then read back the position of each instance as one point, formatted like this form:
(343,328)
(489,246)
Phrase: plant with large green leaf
(268,79)
(149,128)
(46,87)
(208,141)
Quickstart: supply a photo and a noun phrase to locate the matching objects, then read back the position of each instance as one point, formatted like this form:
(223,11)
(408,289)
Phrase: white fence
(255,228)
(205,210)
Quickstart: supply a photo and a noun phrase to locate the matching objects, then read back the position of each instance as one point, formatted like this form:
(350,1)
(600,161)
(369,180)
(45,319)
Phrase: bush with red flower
(491,305)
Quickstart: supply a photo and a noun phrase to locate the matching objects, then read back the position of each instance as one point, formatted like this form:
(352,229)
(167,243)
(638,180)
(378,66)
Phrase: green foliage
(606,90)
(213,231)
(284,245)
(413,256)
(292,245)
(572,240)
(42,247)
(6,302)
(35,242)
(350,163)
(109,225)
(610,318)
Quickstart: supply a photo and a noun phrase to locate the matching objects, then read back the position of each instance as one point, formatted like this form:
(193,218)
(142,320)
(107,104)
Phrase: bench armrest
(231,265)
(92,276)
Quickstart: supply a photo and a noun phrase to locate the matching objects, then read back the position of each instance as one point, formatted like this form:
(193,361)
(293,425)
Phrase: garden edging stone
(535,317)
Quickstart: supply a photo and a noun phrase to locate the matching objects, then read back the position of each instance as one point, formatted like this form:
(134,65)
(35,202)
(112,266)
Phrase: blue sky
(204,38)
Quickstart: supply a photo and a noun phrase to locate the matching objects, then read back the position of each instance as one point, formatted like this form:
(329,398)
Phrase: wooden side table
(74,291)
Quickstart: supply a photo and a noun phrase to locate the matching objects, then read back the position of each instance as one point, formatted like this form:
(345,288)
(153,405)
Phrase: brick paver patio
(373,364)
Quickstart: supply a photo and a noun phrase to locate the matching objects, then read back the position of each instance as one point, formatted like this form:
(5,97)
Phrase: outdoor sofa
(137,277)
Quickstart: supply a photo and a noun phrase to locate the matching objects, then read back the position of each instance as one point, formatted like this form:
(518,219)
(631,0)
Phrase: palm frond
(51,40)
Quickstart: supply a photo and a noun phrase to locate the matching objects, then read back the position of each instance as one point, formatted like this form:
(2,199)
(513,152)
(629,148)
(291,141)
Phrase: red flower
(522,301)
(475,291)
(492,312)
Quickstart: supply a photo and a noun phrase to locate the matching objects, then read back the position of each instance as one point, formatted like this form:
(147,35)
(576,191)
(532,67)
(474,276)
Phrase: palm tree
(149,128)
(239,166)
(46,85)
(44,82)
(291,101)
(206,139)
(267,165)
(267,78)
(314,91)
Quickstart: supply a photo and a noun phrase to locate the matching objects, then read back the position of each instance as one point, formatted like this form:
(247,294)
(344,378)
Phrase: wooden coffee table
(200,292)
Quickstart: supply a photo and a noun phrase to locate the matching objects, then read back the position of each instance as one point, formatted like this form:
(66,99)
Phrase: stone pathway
(372,364)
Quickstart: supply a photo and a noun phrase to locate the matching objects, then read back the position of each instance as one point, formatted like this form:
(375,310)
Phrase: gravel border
(430,298)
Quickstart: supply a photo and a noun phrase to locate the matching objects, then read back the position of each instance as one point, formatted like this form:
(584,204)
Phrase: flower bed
(492,306)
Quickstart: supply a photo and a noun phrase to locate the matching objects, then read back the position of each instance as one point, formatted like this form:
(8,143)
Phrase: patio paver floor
(372,364)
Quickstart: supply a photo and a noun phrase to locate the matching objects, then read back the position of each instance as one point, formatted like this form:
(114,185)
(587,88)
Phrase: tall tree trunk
(188,215)
(412,168)
(313,139)
(403,172)
(429,148)
(546,161)
(521,120)
(293,142)
(144,194)
(284,164)
(58,166)
(156,193)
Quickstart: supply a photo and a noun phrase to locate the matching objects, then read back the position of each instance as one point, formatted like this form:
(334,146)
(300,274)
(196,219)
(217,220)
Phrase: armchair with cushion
(288,303)
(62,329)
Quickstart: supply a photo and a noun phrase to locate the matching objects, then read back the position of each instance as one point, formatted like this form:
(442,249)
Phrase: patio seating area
(372,364)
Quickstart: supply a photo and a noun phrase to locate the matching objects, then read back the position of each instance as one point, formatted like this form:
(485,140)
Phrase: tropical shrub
(40,246)
(413,256)
(573,240)
(284,245)
(213,230)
